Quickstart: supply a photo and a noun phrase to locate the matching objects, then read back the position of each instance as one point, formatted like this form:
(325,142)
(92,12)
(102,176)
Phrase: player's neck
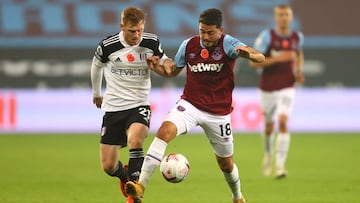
(283,30)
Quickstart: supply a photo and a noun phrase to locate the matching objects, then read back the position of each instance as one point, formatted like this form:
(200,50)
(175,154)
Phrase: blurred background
(46,48)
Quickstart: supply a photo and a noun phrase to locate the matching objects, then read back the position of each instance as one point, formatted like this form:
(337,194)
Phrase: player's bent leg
(111,165)
(109,157)
(156,151)
(167,131)
(137,133)
(154,155)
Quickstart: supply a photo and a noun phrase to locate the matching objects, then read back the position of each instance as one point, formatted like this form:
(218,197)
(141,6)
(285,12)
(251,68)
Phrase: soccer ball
(174,167)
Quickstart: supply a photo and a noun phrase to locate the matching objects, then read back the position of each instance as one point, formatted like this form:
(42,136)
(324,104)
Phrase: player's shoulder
(109,45)
(150,40)
(110,40)
(229,38)
(299,33)
(267,32)
(150,36)
(193,41)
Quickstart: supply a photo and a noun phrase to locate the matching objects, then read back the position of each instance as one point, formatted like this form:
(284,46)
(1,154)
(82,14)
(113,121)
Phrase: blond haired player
(122,59)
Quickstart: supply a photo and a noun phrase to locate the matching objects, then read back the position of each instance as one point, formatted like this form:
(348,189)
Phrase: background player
(122,59)
(282,68)
(206,101)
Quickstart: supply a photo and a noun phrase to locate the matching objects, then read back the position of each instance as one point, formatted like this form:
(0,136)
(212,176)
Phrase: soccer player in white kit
(122,60)
(209,60)
(281,69)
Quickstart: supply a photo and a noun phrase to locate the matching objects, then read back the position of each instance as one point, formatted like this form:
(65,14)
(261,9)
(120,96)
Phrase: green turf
(66,169)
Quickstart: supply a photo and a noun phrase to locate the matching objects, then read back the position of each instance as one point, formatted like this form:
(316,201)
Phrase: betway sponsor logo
(206,67)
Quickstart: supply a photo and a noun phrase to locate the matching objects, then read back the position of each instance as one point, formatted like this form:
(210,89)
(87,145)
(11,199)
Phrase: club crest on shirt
(217,55)
(143,56)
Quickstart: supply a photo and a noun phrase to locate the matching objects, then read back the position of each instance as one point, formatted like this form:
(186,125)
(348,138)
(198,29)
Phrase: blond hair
(132,15)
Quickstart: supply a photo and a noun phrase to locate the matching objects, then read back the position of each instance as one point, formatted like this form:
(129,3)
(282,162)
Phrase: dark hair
(211,16)
(282,6)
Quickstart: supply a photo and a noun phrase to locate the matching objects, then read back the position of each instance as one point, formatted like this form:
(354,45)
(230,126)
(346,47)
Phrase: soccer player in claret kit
(122,59)
(206,101)
(282,68)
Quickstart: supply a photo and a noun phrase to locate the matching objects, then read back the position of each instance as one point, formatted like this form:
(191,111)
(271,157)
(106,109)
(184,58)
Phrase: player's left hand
(98,101)
(250,53)
(243,51)
(299,78)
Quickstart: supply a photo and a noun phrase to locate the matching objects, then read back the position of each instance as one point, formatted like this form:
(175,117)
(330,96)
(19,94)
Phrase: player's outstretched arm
(250,53)
(282,57)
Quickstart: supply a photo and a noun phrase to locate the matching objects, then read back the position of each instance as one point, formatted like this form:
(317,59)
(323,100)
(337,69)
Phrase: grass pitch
(66,169)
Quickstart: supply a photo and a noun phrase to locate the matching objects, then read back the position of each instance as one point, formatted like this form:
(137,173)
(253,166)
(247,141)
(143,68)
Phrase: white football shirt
(125,70)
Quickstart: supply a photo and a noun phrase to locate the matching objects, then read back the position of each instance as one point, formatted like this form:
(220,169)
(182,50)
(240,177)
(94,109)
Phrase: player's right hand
(98,101)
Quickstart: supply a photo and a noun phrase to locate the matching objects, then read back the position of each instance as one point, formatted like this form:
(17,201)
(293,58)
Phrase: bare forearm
(299,62)
(159,69)
(257,57)
(267,62)
(250,53)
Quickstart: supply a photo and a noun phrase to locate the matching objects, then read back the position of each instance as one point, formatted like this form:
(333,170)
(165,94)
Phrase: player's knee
(225,164)
(167,131)
(283,123)
(269,128)
(135,142)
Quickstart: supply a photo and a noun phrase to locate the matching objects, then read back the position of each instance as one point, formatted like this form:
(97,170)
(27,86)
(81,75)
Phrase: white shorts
(277,102)
(217,128)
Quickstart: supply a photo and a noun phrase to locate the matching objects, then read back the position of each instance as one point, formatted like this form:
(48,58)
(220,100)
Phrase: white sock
(152,160)
(282,142)
(233,180)
(268,143)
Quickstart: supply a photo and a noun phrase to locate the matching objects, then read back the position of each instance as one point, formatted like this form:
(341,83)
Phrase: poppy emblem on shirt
(204,54)
(285,44)
(130,58)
